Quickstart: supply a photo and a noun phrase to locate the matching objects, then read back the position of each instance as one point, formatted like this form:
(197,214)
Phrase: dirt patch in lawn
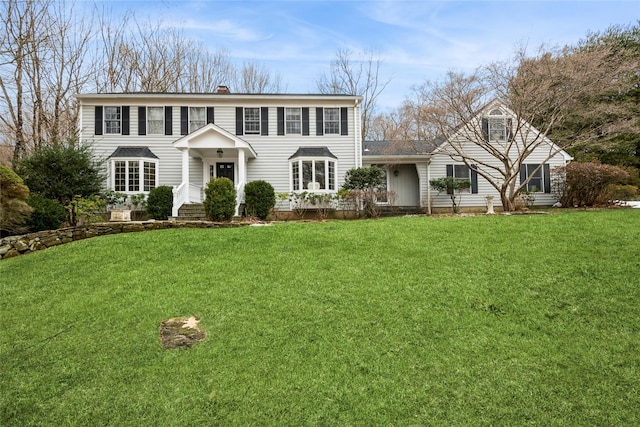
(181,332)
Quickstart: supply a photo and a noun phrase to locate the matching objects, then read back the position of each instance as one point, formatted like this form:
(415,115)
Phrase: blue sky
(416,40)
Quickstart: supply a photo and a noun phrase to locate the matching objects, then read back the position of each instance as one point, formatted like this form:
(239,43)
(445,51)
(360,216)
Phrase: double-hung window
(155,120)
(197,118)
(293,120)
(331,121)
(537,175)
(112,120)
(252,121)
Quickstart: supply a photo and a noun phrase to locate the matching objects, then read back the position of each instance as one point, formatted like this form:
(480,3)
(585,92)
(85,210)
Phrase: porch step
(191,212)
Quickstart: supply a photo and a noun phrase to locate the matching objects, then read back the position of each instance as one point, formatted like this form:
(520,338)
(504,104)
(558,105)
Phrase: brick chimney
(223,89)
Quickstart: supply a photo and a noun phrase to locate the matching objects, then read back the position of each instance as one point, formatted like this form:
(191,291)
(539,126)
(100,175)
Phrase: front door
(225,170)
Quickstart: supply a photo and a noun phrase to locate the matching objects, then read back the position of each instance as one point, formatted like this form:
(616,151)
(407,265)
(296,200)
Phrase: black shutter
(264,121)
(547,178)
(523,174)
(319,121)
(168,120)
(142,120)
(305,120)
(280,120)
(485,129)
(125,120)
(474,179)
(449,170)
(98,120)
(210,116)
(344,121)
(239,121)
(184,120)
(509,129)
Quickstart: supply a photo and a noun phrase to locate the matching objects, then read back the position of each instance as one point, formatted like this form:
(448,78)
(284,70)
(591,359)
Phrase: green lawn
(502,320)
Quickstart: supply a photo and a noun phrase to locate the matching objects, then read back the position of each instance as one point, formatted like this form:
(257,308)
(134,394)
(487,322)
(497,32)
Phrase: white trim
(141,161)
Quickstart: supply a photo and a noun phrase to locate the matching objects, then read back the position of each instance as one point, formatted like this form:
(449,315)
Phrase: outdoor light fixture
(220,153)
(396,172)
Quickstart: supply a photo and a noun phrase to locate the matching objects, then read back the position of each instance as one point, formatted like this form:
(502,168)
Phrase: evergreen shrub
(260,198)
(160,202)
(220,199)
(47,214)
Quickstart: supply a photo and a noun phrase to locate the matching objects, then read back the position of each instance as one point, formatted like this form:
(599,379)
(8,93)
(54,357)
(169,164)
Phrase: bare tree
(255,78)
(355,77)
(44,51)
(540,89)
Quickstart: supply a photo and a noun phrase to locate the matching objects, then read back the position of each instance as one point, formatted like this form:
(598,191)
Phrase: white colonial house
(294,142)
(492,135)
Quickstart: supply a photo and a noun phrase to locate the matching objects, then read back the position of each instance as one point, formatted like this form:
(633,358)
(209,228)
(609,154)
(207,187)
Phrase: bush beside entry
(260,198)
(160,202)
(220,199)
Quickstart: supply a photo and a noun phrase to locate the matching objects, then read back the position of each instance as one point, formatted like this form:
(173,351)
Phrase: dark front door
(225,170)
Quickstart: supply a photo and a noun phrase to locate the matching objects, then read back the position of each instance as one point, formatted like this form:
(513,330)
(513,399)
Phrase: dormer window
(496,127)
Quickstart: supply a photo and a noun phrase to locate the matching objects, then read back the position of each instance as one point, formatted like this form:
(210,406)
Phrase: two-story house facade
(294,142)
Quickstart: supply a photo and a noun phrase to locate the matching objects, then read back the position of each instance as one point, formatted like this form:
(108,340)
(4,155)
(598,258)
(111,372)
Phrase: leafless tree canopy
(49,51)
(359,76)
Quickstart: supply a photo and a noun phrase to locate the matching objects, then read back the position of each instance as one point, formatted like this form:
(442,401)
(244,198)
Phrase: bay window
(313,169)
(133,170)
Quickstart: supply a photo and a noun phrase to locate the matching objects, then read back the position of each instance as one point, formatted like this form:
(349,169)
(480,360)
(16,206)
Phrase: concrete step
(191,212)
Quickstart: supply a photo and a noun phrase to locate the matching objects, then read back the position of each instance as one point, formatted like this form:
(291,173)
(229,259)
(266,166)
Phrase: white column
(185,166)
(242,177)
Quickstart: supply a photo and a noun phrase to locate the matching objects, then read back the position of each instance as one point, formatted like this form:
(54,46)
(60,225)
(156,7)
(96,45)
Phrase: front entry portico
(215,148)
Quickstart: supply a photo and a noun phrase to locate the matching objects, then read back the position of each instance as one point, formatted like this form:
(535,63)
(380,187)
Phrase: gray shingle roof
(143,152)
(313,152)
(397,148)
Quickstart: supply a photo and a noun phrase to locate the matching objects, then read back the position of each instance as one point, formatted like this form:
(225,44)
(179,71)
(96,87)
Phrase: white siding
(273,151)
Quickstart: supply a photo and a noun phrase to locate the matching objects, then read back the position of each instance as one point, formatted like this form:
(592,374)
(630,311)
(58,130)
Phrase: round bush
(47,214)
(259,198)
(220,199)
(160,202)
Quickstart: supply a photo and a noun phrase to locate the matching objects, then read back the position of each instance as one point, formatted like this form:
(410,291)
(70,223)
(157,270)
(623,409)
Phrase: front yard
(501,320)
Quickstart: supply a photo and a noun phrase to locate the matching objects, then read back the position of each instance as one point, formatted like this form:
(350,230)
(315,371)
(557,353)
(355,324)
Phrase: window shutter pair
(264,121)
(168,120)
(474,177)
(485,129)
(305,120)
(344,121)
(546,173)
(184,119)
(99,115)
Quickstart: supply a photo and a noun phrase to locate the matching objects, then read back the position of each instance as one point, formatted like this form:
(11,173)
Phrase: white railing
(180,197)
(195,194)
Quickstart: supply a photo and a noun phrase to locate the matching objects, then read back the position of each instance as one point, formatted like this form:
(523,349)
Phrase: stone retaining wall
(19,245)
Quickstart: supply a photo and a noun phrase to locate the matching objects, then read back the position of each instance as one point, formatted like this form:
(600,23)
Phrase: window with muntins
(252,121)
(332,121)
(129,179)
(155,120)
(313,175)
(293,121)
(112,120)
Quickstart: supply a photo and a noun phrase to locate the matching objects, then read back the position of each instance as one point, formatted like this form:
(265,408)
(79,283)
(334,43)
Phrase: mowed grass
(503,320)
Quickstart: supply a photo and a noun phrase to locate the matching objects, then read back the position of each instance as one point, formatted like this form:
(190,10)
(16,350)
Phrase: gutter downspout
(428,186)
